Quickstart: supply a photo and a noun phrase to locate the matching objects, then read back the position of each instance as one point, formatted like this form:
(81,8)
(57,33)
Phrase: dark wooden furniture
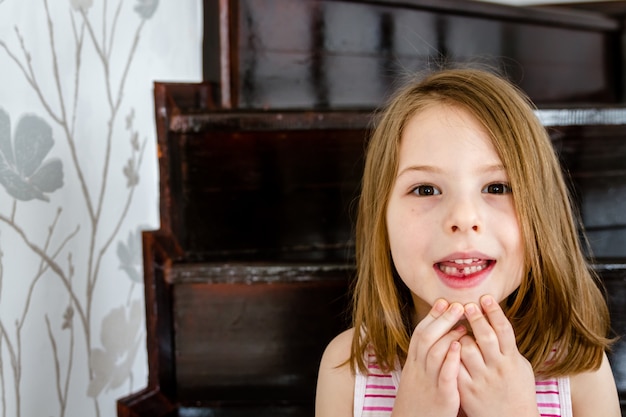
(248,277)
(345,54)
(592,147)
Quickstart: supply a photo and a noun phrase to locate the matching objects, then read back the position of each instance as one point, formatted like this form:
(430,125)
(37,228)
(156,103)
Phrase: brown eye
(497,188)
(426,190)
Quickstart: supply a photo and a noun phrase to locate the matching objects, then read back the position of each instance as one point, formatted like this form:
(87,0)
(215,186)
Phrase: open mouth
(461,268)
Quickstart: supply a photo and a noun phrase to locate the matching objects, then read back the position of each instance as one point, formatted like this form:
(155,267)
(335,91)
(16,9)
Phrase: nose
(463,215)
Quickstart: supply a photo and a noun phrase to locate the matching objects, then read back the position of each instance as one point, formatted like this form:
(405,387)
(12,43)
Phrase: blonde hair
(559,302)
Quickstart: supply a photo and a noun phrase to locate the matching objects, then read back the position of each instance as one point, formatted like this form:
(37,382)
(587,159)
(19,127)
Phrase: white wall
(78,181)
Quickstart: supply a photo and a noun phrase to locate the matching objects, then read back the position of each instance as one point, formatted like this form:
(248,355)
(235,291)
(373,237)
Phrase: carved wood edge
(158,397)
(147,402)
(171,99)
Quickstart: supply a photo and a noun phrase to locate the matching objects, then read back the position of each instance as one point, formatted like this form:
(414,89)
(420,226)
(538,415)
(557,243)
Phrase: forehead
(445,132)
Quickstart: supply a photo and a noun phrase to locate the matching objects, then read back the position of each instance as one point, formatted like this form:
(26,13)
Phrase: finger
(464,377)
(433,328)
(485,335)
(500,324)
(442,316)
(449,373)
(436,311)
(471,356)
(437,354)
(437,322)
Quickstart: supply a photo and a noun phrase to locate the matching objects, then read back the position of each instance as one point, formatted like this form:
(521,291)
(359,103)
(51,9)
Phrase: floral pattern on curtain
(78,185)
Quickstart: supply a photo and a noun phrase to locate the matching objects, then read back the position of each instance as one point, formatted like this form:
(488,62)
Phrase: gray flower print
(121,338)
(130,257)
(83,5)
(23,172)
(146,8)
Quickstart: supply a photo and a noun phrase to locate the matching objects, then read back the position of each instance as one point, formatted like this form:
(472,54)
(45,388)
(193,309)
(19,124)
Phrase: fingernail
(470,308)
(487,300)
(456,308)
(440,306)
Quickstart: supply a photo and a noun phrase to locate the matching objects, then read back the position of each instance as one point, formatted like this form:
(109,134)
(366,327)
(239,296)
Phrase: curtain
(78,184)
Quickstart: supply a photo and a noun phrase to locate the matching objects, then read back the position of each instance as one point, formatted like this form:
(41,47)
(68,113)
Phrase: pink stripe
(379,386)
(549,415)
(377,408)
(551,405)
(379,396)
(378,375)
(547,392)
(546,383)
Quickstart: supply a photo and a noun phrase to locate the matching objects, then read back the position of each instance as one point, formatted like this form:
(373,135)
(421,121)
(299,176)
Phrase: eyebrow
(437,170)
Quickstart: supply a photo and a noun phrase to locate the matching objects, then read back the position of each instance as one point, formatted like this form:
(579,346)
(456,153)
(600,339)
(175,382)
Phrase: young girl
(473,296)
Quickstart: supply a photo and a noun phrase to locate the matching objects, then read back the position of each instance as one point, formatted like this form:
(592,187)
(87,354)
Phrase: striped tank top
(375,393)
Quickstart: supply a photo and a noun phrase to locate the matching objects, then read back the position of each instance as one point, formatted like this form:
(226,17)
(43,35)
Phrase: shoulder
(594,392)
(339,348)
(335,383)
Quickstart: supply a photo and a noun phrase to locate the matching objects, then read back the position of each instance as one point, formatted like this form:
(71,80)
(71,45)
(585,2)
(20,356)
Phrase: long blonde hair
(559,302)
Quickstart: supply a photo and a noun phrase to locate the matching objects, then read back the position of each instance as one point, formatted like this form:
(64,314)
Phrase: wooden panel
(350,54)
(594,159)
(283,192)
(255,333)
(170,99)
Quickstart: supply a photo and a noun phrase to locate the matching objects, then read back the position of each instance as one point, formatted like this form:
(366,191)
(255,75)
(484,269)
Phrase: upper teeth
(465,261)
(450,270)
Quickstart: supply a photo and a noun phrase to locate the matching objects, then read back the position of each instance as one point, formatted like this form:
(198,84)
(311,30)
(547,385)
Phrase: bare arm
(335,383)
(594,393)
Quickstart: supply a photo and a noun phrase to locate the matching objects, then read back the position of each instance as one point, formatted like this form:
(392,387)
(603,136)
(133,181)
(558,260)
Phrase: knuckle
(503,327)
(435,353)
(466,341)
(423,337)
(489,338)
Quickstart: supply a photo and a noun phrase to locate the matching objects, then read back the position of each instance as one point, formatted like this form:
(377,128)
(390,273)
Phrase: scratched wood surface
(347,54)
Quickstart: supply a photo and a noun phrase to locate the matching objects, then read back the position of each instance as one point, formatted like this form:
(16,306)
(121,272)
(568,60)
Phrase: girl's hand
(428,385)
(494,379)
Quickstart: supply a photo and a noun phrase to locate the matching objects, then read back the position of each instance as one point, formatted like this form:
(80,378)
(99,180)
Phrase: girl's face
(452,226)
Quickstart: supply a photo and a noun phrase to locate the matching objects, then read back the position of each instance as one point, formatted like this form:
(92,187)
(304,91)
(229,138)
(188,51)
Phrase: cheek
(394,229)
(408,245)
(502,220)
(402,230)
(397,243)
(517,251)
(407,218)
(396,235)
(516,236)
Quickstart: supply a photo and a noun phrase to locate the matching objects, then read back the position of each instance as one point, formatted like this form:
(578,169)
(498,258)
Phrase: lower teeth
(468,270)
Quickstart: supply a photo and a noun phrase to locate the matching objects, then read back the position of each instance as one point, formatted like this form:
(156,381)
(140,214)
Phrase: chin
(465,298)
